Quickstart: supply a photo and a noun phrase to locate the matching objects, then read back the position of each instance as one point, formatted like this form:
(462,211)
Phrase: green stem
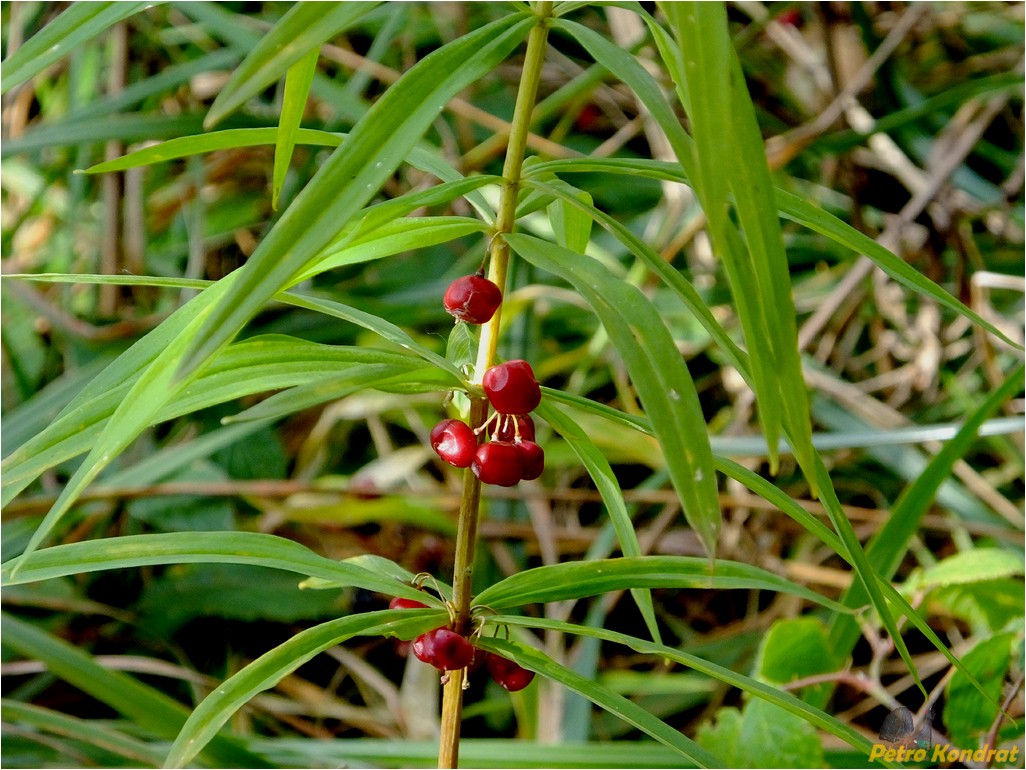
(498,265)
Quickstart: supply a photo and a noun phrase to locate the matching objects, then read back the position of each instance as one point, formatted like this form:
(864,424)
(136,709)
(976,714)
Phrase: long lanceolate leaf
(251,548)
(79,23)
(575,580)
(537,662)
(302,29)
(149,708)
(297,88)
(730,157)
(354,173)
(271,667)
(615,704)
(659,373)
(605,482)
(792,207)
(338,192)
(887,548)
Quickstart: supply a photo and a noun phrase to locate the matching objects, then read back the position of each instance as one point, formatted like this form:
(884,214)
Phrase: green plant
(616,391)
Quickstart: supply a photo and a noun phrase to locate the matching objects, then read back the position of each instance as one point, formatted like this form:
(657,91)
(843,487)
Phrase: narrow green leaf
(887,548)
(575,580)
(255,365)
(751,686)
(144,705)
(394,237)
(769,492)
(671,277)
(612,496)
(797,210)
(422,158)
(722,132)
(197,548)
(338,386)
(303,28)
(353,174)
(226,139)
(77,24)
(271,667)
(603,697)
(804,213)
(140,753)
(297,88)
(572,226)
(657,370)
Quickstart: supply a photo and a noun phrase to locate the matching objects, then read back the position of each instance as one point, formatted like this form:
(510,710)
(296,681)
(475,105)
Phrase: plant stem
(498,265)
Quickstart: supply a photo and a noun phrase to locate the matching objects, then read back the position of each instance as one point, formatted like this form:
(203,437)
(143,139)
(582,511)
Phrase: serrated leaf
(966,715)
(972,566)
(762,734)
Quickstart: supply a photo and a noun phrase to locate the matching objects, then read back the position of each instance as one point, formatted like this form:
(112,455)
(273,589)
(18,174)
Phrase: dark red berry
(532,460)
(444,649)
(455,442)
(509,675)
(512,425)
(511,387)
(498,462)
(472,298)
(400,603)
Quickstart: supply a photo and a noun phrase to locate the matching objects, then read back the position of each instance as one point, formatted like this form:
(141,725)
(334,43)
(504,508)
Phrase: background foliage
(135,420)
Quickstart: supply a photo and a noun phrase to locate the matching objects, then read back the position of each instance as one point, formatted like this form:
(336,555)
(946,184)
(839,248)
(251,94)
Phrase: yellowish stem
(498,265)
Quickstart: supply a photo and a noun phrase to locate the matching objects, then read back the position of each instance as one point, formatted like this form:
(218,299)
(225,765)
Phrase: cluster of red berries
(446,650)
(511,455)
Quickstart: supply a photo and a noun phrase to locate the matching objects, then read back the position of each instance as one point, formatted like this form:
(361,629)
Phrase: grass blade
(140,753)
(302,29)
(147,707)
(618,705)
(79,23)
(271,667)
(297,88)
(753,687)
(887,548)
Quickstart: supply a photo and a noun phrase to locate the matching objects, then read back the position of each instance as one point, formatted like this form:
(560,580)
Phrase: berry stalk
(498,264)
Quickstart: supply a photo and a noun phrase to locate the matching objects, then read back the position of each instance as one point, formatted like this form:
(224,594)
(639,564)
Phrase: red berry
(498,462)
(511,387)
(532,460)
(455,442)
(444,649)
(400,603)
(510,425)
(472,298)
(511,676)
